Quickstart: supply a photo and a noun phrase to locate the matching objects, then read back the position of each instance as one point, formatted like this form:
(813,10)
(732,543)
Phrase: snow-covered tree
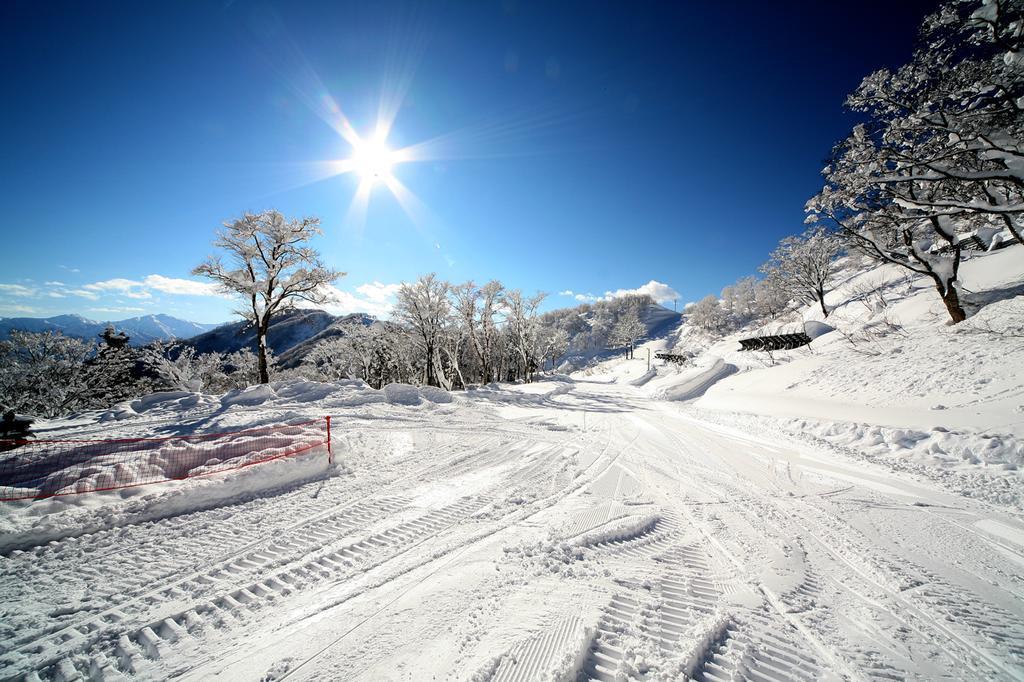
(477,308)
(552,343)
(176,365)
(271,267)
(627,330)
(707,314)
(43,374)
(771,294)
(335,359)
(943,150)
(523,326)
(740,299)
(112,370)
(807,263)
(179,366)
(424,307)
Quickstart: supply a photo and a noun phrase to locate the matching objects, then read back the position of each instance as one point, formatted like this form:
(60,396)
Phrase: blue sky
(585,147)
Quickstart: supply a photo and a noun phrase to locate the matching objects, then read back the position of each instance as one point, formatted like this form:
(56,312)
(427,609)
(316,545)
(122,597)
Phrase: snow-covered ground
(828,513)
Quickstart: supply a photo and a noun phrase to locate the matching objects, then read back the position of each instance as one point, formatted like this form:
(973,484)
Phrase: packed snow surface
(815,515)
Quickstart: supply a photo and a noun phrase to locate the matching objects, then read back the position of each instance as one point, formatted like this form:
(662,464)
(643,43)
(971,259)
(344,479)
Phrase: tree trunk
(1013,229)
(821,300)
(951,298)
(261,340)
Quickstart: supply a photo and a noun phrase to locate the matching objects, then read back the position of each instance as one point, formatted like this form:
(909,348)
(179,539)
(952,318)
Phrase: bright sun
(373,160)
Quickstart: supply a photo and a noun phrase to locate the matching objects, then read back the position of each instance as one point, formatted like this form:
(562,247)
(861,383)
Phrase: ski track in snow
(495,547)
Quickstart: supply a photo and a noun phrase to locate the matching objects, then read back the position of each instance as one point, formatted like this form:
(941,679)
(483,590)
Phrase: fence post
(330,455)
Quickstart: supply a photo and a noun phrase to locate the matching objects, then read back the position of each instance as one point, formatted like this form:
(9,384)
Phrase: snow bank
(28,524)
(57,468)
(939,446)
(252,395)
(693,382)
(402,394)
(405,394)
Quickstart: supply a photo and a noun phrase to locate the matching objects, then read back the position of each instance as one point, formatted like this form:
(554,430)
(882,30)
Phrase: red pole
(330,455)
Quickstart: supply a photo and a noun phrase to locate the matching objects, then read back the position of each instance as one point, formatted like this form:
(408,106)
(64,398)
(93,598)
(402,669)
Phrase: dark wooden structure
(15,426)
(672,357)
(776,342)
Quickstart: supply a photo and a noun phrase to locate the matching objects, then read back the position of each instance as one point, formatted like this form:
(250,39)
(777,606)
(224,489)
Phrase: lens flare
(373,160)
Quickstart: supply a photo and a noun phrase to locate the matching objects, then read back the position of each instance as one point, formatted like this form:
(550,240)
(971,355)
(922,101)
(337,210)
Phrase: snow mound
(816,329)
(402,394)
(618,530)
(253,395)
(435,395)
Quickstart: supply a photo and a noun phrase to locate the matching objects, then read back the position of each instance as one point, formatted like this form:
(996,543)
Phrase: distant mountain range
(292,333)
(142,330)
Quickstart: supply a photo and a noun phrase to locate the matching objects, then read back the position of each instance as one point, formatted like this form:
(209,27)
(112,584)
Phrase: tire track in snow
(540,654)
(598,467)
(140,650)
(863,566)
(51,646)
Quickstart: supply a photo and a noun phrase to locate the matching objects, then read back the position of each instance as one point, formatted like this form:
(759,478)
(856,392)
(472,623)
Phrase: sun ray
(414,208)
(355,215)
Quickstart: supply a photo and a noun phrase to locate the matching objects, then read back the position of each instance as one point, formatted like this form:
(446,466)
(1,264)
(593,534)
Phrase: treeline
(798,272)
(457,335)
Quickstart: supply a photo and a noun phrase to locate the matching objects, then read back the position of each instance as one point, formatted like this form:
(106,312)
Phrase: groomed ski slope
(540,532)
(827,513)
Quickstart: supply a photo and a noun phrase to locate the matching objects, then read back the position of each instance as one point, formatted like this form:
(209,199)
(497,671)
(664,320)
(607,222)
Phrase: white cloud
(183,287)
(377,292)
(68,268)
(142,289)
(659,291)
(16,290)
(84,293)
(54,283)
(374,298)
(11,308)
(116,311)
(116,284)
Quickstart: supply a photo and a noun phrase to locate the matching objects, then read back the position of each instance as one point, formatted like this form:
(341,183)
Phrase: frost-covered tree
(176,366)
(552,343)
(112,370)
(771,294)
(707,314)
(602,321)
(807,263)
(179,366)
(943,150)
(740,299)
(43,374)
(425,308)
(335,359)
(477,308)
(523,326)
(627,330)
(237,370)
(271,267)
